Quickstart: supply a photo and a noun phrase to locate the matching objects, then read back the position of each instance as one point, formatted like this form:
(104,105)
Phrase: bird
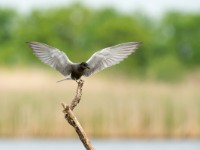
(100,60)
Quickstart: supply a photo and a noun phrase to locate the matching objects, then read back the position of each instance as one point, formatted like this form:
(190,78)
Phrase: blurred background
(154,94)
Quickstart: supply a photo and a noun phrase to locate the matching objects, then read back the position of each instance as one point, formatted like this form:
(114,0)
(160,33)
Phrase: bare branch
(73,121)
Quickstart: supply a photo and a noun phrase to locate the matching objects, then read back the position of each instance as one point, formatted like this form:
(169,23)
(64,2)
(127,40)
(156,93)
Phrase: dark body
(78,70)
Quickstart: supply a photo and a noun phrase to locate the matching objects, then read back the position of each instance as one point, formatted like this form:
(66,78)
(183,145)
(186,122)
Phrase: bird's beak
(88,67)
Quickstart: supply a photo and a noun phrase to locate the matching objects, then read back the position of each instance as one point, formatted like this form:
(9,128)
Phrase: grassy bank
(110,107)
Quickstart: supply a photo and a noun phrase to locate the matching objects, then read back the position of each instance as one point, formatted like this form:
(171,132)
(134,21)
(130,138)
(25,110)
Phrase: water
(43,144)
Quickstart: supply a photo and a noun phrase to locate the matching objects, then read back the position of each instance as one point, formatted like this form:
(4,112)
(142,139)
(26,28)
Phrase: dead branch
(73,121)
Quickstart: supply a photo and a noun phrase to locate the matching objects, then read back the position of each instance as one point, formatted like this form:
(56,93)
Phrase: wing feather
(52,57)
(110,56)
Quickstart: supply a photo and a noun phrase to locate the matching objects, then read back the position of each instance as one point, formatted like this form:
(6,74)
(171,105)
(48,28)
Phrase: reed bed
(110,107)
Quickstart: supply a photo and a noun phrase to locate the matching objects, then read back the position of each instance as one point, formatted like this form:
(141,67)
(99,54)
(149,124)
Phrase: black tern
(74,71)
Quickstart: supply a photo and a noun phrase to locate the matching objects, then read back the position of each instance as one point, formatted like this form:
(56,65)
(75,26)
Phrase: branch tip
(63,105)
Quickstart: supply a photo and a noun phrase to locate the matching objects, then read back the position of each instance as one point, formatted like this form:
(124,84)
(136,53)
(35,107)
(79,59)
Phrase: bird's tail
(62,80)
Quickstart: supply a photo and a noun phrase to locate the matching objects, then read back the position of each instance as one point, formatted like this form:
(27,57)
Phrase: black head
(84,65)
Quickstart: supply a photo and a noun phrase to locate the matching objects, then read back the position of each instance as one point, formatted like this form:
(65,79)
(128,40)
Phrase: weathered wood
(73,121)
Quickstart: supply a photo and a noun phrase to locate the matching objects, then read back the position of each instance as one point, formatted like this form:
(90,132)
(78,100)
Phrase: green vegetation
(171,45)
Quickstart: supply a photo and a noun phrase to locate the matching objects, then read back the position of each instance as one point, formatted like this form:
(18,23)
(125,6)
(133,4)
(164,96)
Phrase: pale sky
(151,7)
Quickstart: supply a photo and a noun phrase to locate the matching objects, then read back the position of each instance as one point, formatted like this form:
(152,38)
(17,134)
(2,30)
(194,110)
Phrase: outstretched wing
(52,57)
(110,56)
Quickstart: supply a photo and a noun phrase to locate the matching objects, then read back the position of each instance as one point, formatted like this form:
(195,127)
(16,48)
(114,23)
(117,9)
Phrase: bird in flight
(74,71)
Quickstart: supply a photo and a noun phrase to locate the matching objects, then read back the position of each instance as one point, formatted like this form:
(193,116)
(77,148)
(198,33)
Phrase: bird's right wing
(52,57)
(110,56)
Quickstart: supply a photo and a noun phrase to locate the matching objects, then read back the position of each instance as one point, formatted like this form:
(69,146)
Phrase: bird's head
(84,65)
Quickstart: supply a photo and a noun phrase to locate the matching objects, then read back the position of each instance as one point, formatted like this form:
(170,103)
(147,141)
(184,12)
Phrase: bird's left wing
(110,56)
(52,57)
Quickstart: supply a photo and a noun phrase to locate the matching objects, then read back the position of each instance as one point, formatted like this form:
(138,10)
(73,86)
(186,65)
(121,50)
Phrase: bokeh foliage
(170,45)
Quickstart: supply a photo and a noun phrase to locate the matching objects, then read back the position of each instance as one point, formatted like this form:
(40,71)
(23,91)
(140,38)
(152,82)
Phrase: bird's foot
(80,81)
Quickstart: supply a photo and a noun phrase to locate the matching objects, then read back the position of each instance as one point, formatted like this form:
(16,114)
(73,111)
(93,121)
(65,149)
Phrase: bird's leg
(80,81)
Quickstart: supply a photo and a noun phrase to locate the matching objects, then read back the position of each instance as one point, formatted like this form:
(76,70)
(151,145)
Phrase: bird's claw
(80,81)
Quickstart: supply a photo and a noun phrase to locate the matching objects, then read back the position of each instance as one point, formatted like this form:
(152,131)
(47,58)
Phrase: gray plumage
(98,61)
